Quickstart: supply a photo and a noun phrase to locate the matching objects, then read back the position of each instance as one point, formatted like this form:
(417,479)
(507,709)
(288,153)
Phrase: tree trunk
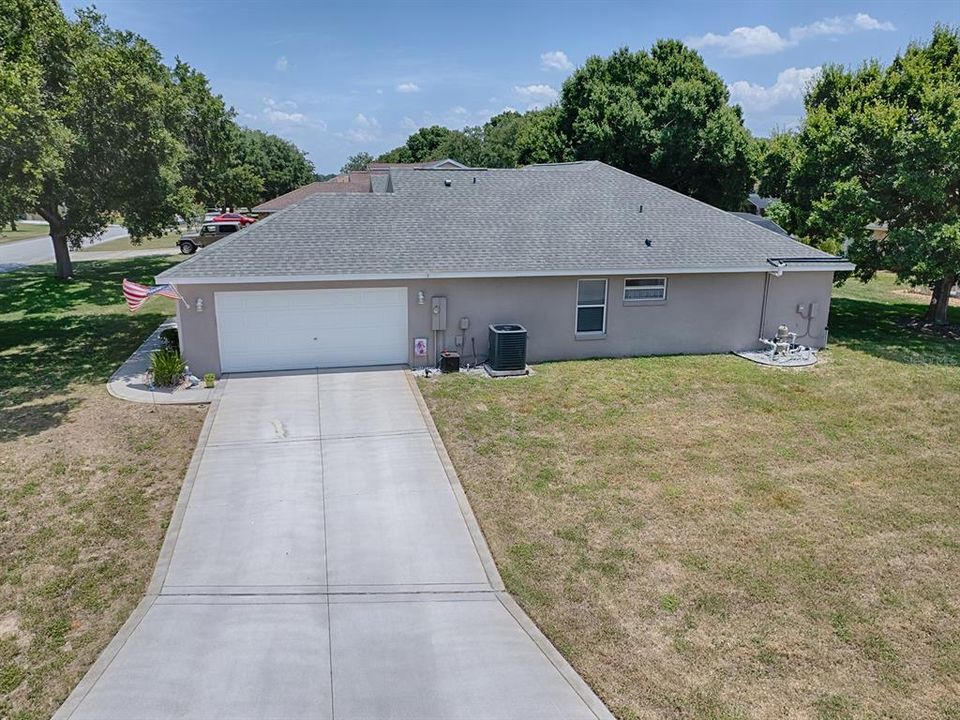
(61,251)
(61,254)
(940,300)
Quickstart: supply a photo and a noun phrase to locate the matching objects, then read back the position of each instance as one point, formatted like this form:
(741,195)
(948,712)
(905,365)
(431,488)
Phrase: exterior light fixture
(199,304)
(420,297)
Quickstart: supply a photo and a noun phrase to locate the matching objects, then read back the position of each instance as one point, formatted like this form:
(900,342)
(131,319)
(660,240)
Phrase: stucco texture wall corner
(703,313)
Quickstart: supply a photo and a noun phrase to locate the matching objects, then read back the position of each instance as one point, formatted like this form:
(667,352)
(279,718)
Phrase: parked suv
(208,234)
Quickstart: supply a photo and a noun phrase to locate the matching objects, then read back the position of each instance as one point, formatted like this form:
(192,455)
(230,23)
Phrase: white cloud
(507,108)
(408,123)
(555,60)
(459,110)
(743,41)
(365,121)
(365,129)
(761,40)
(535,95)
(379,91)
(278,112)
(408,87)
(789,87)
(840,25)
(281,63)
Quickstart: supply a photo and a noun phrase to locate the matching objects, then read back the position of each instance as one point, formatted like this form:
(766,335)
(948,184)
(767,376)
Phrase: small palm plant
(167,367)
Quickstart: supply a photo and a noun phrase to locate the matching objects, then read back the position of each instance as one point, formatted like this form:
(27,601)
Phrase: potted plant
(208,379)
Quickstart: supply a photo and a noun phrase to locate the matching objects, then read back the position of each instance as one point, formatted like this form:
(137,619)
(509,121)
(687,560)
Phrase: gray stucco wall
(702,314)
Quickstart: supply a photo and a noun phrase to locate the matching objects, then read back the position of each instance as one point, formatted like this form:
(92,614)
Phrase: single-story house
(591,260)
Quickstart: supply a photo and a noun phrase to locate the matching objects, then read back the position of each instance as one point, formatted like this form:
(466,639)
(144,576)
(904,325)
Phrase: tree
(513,139)
(239,186)
(209,136)
(29,137)
(360,161)
(112,117)
(422,146)
(662,115)
(539,138)
(882,144)
(281,166)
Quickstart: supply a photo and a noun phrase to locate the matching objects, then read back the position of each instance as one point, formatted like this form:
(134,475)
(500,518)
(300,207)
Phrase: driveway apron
(323,563)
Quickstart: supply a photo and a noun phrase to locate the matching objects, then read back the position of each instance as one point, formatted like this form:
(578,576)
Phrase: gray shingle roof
(540,220)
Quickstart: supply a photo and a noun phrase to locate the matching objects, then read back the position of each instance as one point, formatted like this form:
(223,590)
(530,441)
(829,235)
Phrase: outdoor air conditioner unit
(508,348)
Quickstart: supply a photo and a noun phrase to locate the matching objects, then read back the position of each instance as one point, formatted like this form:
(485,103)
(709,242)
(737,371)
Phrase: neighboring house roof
(576,218)
(758,202)
(352,182)
(762,221)
(373,179)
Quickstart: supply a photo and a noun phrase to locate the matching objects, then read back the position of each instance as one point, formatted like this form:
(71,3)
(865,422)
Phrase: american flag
(137,294)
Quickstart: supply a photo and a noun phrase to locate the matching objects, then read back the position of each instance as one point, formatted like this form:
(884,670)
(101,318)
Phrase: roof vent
(447,182)
(641,208)
(474,180)
(648,242)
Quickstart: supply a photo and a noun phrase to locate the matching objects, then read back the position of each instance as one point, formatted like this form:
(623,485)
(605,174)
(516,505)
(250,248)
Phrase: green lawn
(166,242)
(703,537)
(88,482)
(23,232)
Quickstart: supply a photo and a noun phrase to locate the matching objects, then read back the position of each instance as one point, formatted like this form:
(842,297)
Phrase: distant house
(759,204)
(878,230)
(591,260)
(446,164)
(373,179)
(763,222)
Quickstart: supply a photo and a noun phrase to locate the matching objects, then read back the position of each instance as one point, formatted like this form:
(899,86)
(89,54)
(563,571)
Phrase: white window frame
(576,312)
(644,301)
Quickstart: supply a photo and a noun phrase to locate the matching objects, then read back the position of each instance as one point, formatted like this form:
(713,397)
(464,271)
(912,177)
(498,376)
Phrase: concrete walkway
(131,381)
(323,562)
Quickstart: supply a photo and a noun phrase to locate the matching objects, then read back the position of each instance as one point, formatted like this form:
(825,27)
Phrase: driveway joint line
(326,559)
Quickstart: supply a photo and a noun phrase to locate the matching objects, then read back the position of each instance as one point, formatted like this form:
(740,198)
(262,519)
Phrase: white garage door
(290,329)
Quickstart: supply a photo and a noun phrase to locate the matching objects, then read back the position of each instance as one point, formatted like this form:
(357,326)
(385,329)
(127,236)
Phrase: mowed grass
(165,242)
(24,231)
(707,538)
(88,482)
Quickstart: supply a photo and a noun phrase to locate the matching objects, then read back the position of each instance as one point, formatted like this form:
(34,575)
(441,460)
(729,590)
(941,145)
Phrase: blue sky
(337,78)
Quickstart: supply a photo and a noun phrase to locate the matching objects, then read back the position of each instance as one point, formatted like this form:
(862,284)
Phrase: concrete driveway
(323,562)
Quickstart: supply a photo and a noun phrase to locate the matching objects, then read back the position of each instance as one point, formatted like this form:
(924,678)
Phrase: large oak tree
(881,144)
(108,117)
(663,115)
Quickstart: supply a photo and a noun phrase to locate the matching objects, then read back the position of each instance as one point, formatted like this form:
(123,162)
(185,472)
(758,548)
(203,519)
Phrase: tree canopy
(662,115)
(360,161)
(882,145)
(93,126)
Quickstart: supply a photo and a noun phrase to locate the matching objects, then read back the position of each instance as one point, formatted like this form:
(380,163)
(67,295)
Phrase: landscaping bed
(88,481)
(703,537)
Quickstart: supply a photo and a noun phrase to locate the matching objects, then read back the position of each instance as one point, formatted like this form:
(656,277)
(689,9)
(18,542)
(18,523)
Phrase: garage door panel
(289,329)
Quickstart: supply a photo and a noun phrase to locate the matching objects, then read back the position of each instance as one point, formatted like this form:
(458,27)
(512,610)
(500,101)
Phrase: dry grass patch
(707,538)
(88,482)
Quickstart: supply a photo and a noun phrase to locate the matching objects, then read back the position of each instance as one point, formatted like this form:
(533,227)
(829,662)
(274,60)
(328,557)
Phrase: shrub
(167,367)
(170,339)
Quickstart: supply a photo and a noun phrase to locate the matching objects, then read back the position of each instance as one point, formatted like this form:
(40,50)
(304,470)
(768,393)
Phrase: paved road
(323,563)
(40,250)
